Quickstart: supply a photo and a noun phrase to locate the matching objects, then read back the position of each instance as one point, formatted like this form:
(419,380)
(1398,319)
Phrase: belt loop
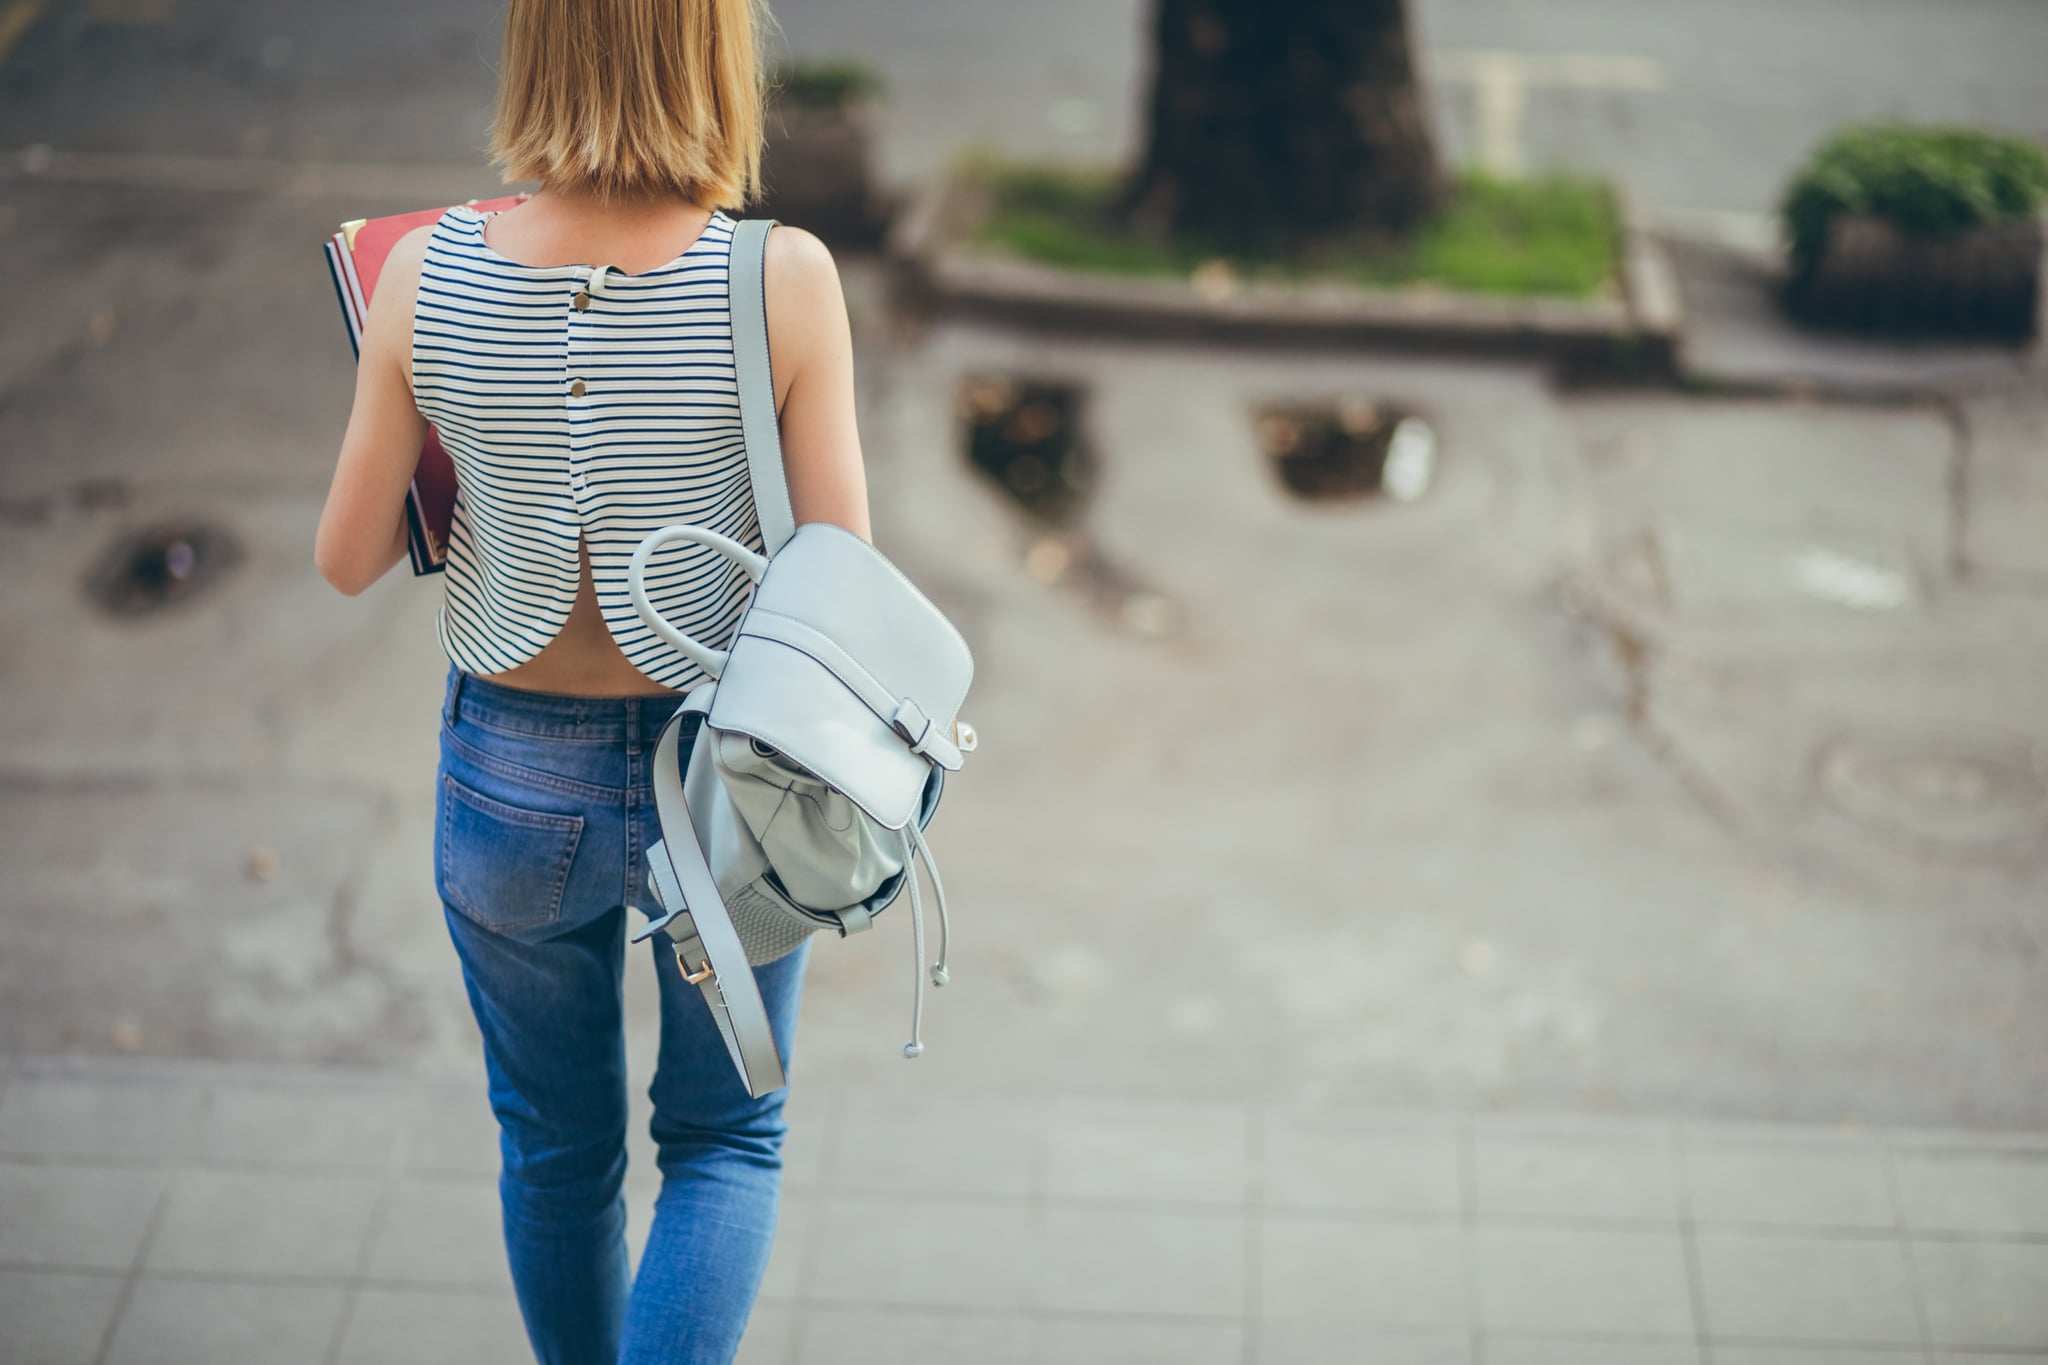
(633,705)
(453,712)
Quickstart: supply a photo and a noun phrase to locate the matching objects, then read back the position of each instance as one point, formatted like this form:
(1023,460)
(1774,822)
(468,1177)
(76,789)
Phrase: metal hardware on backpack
(826,734)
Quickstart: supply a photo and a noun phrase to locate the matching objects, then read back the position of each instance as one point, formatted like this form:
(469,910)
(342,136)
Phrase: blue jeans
(544,816)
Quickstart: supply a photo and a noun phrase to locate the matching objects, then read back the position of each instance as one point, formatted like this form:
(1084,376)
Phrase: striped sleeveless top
(580,401)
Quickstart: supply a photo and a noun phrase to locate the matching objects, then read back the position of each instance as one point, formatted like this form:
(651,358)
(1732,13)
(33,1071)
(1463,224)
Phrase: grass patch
(824,85)
(1556,235)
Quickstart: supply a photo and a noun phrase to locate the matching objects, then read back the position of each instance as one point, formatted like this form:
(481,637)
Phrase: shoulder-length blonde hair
(627,99)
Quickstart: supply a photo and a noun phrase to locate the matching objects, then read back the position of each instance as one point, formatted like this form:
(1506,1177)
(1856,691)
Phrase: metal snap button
(582,302)
(576,389)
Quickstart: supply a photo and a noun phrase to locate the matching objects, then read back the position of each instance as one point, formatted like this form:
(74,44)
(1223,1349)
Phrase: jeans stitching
(519,772)
(612,734)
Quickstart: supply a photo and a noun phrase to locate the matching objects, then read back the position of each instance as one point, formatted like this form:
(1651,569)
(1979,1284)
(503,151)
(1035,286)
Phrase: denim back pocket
(504,867)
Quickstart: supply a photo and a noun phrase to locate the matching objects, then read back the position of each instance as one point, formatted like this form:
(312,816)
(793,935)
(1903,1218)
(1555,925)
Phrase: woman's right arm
(362,527)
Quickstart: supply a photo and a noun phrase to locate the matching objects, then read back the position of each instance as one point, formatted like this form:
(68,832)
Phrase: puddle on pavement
(161,566)
(1027,436)
(1346,451)
(1961,790)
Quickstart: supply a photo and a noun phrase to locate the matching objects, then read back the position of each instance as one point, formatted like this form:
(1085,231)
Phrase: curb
(1637,335)
(1818,364)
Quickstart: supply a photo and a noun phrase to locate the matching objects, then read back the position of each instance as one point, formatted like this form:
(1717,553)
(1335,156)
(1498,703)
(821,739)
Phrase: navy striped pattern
(654,440)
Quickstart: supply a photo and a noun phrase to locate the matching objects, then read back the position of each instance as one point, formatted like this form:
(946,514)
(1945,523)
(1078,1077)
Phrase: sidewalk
(185,1212)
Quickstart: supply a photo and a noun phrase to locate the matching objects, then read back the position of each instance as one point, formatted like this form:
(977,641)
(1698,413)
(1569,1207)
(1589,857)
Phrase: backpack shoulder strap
(698,928)
(747,294)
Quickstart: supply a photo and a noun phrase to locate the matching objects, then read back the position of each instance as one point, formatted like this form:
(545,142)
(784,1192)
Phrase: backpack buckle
(912,723)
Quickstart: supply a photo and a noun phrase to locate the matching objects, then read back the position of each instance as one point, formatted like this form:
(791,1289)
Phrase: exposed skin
(362,527)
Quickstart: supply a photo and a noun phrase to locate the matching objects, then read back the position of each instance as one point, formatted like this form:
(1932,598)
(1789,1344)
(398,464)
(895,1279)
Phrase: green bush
(824,85)
(1928,181)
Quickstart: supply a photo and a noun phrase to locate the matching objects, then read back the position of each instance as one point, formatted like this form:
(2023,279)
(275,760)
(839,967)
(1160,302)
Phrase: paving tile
(1975,1140)
(793,1230)
(1388,1165)
(1183,1153)
(442,1232)
(426,1327)
(1510,1350)
(451,1128)
(813,1127)
(933,1147)
(65,1216)
(1327,1342)
(1103,1341)
(1819,1355)
(1819,1183)
(76,1117)
(1170,1263)
(233,1223)
(1973,1191)
(950,1255)
(1582,1280)
(1798,1288)
(1360,1274)
(186,1322)
(854,1336)
(1984,1294)
(1610,1176)
(643,1186)
(771,1335)
(51,1319)
(352,1127)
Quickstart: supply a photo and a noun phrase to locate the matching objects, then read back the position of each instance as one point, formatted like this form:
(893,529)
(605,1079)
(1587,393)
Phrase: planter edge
(1638,333)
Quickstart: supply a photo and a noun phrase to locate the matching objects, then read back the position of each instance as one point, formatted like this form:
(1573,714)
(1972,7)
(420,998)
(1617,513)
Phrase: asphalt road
(1696,106)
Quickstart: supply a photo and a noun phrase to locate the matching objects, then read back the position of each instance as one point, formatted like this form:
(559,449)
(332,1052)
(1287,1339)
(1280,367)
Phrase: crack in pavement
(1635,648)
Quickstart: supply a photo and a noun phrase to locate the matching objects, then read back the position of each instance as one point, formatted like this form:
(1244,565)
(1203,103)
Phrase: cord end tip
(912,1051)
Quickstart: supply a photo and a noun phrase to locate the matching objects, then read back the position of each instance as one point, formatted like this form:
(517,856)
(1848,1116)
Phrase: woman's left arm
(362,528)
(810,348)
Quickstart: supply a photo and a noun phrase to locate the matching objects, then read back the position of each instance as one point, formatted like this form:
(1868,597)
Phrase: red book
(356,256)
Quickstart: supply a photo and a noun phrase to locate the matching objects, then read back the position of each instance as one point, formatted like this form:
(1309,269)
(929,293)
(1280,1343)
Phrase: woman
(575,354)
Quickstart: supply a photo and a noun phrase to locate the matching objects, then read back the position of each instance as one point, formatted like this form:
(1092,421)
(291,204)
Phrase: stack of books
(356,256)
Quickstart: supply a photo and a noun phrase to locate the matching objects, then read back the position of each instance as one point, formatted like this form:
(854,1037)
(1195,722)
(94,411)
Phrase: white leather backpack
(826,734)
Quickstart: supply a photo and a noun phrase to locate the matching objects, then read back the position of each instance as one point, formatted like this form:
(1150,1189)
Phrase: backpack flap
(849,671)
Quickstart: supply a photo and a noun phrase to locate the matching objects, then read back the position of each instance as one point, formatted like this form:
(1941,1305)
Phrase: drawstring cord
(913,848)
(940,976)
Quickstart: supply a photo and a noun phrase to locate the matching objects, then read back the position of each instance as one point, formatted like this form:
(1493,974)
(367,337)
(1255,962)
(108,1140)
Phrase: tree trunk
(1276,123)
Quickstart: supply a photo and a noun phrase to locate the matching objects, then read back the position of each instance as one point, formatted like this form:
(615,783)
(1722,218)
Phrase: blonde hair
(625,99)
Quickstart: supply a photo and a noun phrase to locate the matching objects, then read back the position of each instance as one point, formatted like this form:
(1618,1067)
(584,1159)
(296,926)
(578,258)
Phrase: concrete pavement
(174,1212)
(1596,912)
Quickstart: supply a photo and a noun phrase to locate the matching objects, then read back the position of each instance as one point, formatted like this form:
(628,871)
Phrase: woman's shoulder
(799,266)
(797,251)
(408,254)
